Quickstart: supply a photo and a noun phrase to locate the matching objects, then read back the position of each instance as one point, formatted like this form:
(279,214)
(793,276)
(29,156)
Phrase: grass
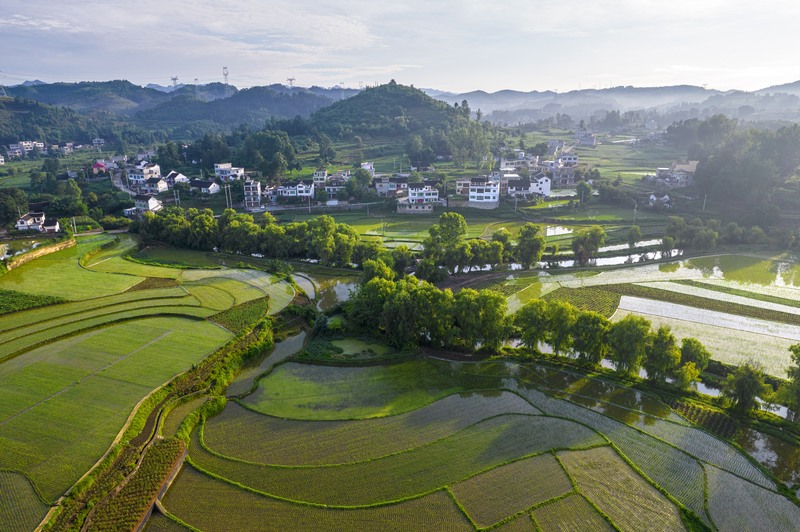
(291,442)
(611,485)
(176,416)
(210,504)
(488,444)
(735,503)
(54,433)
(569,513)
(506,490)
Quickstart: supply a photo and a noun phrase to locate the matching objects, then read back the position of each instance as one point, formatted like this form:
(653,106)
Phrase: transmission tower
(174,82)
(196,89)
(225,77)
(290,81)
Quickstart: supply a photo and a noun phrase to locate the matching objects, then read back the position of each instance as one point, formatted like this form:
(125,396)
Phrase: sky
(451,45)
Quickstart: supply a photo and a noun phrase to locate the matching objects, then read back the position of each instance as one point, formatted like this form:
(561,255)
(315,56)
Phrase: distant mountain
(27,119)
(32,83)
(786,88)
(618,98)
(164,88)
(386,109)
(119,96)
(252,106)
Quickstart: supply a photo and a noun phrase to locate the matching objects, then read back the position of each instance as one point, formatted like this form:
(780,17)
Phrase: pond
(780,457)
(331,289)
(748,270)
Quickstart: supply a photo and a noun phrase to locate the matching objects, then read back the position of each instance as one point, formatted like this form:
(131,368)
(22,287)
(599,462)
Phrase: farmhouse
(35,221)
(175,177)
(252,195)
(304,189)
(204,187)
(228,172)
(154,185)
(144,203)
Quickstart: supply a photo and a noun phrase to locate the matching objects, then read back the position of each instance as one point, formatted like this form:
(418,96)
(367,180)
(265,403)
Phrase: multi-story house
(252,195)
(228,172)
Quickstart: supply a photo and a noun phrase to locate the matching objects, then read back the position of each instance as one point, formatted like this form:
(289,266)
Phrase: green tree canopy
(629,339)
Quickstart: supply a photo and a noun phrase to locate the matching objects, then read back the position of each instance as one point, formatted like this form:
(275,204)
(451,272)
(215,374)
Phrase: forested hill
(119,96)
(389,109)
(26,119)
(249,106)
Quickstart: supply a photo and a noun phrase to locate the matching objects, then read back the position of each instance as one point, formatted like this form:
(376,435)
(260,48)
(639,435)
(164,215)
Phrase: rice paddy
(71,372)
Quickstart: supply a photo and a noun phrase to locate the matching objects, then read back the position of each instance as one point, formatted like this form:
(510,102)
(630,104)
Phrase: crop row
(631,503)
(20,507)
(569,513)
(13,301)
(475,449)
(210,504)
(25,318)
(242,317)
(45,324)
(767,298)
(126,508)
(496,494)
(14,347)
(705,303)
(714,421)
(292,442)
(736,504)
(598,300)
(153,283)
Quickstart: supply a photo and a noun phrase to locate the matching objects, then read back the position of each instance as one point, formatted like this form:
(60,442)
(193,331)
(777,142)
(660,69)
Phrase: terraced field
(473,446)
(70,373)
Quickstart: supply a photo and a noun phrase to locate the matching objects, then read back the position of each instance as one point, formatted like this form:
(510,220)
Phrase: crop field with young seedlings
(569,513)
(72,370)
(292,442)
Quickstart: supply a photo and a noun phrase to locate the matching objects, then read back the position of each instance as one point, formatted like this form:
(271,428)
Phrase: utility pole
(196,94)
(634,212)
(225,77)
(290,81)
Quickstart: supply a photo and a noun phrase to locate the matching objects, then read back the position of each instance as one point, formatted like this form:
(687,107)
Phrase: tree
(586,243)
(693,351)
(629,339)
(376,268)
(584,191)
(686,375)
(452,229)
(793,373)
(366,306)
(590,337)
(744,384)
(560,321)
(480,317)
(634,235)
(663,357)
(533,322)
(530,245)
(398,320)
(434,313)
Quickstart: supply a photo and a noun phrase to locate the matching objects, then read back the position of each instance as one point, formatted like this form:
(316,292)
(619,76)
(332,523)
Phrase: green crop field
(71,372)
(569,513)
(291,442)
(302,391)
(629,501)
(54,432)
(506,490)
(492,453)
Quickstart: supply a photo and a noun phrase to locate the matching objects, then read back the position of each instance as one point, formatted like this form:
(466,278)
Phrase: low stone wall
(41,251)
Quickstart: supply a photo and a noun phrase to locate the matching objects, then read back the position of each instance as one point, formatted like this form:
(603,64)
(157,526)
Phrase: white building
(484,192)
(98,143)
(142,172)
(154,185)
(369,167)
(144,203)
(419,193)
(175,177)
(204,187)
(228,172)
(303,189)
(2,160)
(252,195)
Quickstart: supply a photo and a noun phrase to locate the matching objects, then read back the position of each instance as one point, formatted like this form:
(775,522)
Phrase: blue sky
(444,44)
